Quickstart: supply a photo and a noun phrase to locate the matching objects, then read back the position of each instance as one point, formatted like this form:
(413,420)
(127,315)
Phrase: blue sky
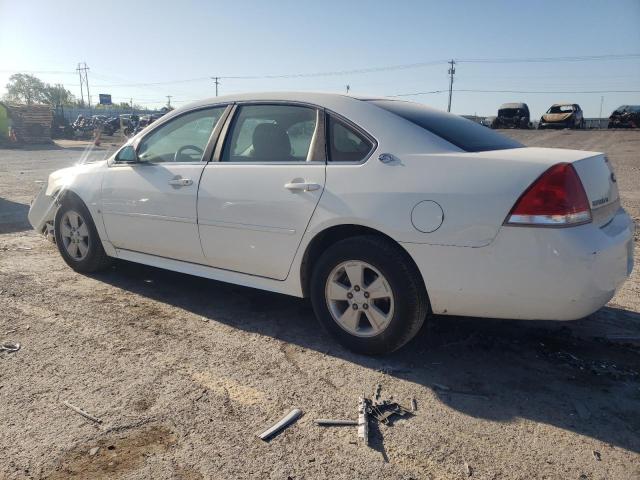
(126,43)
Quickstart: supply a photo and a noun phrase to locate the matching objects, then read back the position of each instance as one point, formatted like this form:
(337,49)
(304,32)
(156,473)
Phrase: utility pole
(81,82)
(169,100)
(84,80)
(600,117)
(348,88)
(216,80)
(452,71)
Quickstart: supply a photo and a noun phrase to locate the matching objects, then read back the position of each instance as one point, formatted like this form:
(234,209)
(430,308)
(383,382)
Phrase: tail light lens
(556,199)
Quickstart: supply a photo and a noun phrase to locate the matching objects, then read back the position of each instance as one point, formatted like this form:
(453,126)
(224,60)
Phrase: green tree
(25,88)
(57,95)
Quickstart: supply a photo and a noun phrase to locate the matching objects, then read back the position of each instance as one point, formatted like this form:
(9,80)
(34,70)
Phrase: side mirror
(127,155)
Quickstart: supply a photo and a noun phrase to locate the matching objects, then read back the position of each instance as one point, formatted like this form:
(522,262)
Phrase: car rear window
(464,134)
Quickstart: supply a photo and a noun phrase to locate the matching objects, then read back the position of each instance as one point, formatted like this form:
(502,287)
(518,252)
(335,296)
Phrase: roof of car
(310,97)
(513,105)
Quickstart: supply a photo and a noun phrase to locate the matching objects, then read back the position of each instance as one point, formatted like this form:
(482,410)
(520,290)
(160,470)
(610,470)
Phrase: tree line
(28,89)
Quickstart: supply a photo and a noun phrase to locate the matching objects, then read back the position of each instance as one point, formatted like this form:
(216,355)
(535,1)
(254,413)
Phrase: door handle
(181,182)
(301,186)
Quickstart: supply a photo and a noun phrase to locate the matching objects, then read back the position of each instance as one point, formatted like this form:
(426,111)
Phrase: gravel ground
(184,371)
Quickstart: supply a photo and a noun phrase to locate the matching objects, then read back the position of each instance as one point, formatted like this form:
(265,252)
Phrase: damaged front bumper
(42,213)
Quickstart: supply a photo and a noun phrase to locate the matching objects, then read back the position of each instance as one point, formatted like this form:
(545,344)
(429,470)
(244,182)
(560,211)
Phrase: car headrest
(271,142)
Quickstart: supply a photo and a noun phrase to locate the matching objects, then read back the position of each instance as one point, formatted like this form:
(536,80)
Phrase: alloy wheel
(359,298)
(75,235)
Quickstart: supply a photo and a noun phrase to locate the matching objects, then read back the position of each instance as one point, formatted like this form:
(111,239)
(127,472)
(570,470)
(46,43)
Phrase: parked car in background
(626,116)
(487,121)
(381,211)
(563,115)
(512,115)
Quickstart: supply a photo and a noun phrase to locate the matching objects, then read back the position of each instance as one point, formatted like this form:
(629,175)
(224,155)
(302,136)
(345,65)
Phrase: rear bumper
(530,273)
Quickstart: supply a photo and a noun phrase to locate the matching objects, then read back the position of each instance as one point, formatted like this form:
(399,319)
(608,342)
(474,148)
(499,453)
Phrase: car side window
(270,133)
(345,143)
(182,139)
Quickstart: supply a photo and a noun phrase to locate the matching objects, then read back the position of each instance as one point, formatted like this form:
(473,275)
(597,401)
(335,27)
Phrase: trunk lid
(600,184)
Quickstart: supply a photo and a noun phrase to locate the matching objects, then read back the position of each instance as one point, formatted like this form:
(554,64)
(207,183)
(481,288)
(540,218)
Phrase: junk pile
(30,124)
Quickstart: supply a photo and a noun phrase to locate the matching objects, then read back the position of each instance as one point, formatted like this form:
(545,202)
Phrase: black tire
(411,304)
(96,258)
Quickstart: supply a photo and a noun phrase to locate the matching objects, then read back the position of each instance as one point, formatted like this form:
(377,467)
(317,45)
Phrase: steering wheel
(176,157)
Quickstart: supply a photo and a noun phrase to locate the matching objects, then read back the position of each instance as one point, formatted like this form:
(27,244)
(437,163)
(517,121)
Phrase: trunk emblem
(600,201)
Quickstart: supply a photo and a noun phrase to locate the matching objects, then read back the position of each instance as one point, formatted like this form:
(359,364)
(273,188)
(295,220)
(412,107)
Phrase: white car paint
(247,228)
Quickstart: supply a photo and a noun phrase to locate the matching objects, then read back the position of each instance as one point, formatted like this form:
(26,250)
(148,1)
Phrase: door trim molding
(247,226)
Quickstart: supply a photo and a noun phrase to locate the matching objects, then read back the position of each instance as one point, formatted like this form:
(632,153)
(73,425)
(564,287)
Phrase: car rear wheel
(77,238)
(368,295)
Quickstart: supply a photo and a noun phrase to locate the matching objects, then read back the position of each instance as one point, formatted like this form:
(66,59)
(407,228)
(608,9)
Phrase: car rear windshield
(464,134)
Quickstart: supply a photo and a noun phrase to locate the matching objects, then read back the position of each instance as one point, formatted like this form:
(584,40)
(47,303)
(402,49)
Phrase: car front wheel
(77,238)
(368,294)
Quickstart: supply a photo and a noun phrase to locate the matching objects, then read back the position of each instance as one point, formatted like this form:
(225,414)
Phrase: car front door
(149,200)
(256,198)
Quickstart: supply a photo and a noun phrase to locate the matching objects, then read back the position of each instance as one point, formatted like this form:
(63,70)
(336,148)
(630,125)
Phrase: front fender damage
(46,203)
(43,211)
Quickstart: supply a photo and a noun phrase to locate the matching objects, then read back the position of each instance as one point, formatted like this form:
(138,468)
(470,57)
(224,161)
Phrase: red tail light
(556,198)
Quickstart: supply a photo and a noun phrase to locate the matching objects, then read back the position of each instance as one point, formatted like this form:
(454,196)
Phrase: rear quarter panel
(476,191)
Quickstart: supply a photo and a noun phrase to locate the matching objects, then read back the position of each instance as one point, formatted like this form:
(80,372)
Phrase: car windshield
(464,134)
(511,112)
(561,109)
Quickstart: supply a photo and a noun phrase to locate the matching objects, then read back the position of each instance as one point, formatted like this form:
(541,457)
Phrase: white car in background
(381,211)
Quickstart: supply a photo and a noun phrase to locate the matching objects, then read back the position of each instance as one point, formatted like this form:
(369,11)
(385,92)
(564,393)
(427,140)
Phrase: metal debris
(79,411)
(467,469)
(94,451)
(380,410)
(287,420)
(376,394)
(334,422)
(10,347)
(597,455)
(363,419)
(414,405)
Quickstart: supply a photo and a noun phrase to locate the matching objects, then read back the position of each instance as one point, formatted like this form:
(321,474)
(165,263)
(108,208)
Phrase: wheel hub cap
(75,235)
(359,298)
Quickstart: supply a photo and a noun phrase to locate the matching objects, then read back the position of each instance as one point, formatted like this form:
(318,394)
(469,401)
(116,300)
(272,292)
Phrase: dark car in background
(512,115)
(563,115)
(626,116)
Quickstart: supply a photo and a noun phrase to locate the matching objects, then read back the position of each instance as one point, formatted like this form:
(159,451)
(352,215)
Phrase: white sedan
(381,211)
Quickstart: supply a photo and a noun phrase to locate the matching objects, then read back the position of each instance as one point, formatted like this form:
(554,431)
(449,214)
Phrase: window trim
(353,126)
(317,145)
(209,147)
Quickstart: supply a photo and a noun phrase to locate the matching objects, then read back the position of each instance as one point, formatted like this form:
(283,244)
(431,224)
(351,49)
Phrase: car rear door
(258,194)
(149,206)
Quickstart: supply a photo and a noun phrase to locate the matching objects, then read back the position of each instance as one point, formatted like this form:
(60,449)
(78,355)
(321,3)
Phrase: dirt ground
(184,371)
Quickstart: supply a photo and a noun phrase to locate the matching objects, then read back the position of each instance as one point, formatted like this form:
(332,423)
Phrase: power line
(48,72)
(407,66)
(515,91)
(417,93)
(582,58)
